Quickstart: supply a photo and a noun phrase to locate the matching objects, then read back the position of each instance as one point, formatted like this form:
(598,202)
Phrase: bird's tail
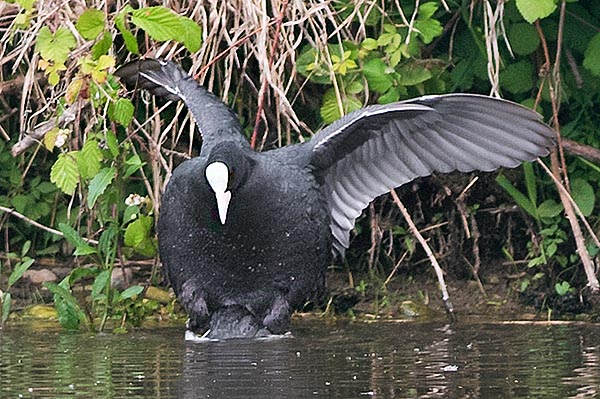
(161,78)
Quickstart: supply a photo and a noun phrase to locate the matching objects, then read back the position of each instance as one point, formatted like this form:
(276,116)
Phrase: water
(337,360)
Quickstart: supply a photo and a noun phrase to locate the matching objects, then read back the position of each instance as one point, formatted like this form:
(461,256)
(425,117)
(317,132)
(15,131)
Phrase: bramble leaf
(91,23)
(192,39)
(523,38)
(55,46)
(121,111)
(159,22)
(128,38)
(64,173)
(375,73)
(99,184)
(89,158)
(531,10)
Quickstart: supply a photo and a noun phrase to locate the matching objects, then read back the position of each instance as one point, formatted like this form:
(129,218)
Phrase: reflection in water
(382,360)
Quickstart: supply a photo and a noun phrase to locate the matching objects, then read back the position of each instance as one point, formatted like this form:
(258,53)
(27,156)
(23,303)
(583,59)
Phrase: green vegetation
(82,167)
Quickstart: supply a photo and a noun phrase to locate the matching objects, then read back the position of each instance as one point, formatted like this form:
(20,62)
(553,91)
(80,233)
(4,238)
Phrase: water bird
(245,237)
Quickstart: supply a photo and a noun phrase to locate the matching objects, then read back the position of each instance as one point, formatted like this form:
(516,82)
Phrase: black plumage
(245,237)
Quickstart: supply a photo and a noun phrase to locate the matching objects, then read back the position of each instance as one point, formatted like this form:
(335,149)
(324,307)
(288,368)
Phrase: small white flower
(134,200)
(61,137)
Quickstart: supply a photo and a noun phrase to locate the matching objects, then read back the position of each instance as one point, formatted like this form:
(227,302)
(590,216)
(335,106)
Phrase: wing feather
(372,150)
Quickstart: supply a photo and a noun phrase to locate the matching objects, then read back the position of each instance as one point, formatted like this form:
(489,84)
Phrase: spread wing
(380,147)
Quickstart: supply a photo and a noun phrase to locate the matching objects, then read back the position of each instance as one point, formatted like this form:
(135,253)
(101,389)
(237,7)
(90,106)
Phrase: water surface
(338,360)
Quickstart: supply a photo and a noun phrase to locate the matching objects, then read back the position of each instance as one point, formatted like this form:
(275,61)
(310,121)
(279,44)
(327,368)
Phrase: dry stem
(436,266)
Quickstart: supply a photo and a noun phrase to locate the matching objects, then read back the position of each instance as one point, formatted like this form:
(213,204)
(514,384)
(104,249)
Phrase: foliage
(20,269)
(99,176)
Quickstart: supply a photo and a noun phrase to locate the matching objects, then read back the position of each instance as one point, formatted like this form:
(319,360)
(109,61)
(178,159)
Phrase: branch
(39,225)
(34,137)
(436,266)
(585,151)
(13,86)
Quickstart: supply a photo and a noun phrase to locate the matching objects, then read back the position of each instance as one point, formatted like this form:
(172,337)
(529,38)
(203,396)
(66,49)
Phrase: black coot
(246,237)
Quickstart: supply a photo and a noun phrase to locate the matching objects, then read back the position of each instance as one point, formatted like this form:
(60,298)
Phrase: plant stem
(436,266)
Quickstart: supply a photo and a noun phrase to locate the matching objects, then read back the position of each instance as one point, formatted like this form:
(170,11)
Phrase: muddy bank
(359,296)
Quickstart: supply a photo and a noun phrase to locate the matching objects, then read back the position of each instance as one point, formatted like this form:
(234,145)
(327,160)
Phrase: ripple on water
(345,360)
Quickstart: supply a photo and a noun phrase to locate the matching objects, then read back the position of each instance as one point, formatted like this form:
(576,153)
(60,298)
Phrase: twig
(563,189)
(233,46)
(263,88)
(436,266)
(375,236)
(557,158)
(585,151)
(396,266)
(39,225)
(34,137)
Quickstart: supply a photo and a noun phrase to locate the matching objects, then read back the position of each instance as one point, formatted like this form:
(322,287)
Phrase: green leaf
(369,44)
(192,39)
(584,195)
(355,87)
(18,271)
(99,184)
(102,46)
(121,111)
(64,173)
(81,247)
(518,77)
(591,60)
(91,23)
(100,284)
(46,188)
(375,73)
(593,166)
(427,27)
(112,143)
(412,74)
(133,165)
(309,64)
(137,231)
(70,314)
(80,273)
(131,292)
(137,236)
(55,46)
(330,110)
(130,213)
(159,22)
(517,196)
(426,10)
(562,288)
(26,4)
(531,10)
(89,159)
(128,38)
(390,96)
(523,38)
(550,209)
(26,248)
(6,304)
(530,182)
(20,202)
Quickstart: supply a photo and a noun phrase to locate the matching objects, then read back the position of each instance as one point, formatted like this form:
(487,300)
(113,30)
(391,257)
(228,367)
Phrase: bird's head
(226,171)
